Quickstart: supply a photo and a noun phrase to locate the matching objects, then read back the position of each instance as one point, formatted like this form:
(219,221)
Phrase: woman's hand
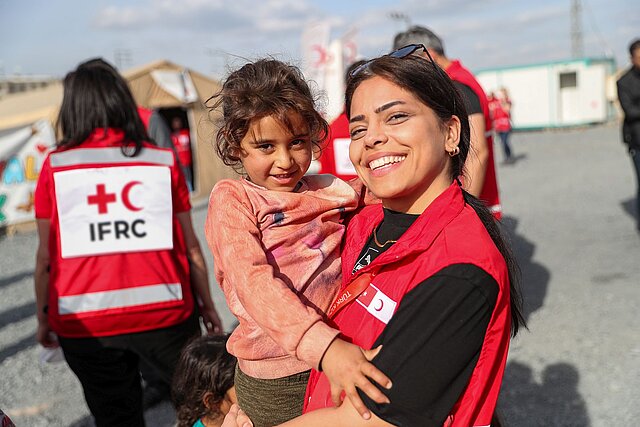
(236,418)
(347,366)
(211,320)
(45,336)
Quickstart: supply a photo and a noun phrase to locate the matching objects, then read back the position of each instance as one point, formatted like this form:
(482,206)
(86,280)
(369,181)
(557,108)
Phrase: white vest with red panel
(118,258)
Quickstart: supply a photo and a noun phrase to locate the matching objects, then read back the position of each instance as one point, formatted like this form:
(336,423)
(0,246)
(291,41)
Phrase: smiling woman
(440,294)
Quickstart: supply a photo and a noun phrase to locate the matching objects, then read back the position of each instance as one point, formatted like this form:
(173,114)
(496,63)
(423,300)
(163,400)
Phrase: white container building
(556,94)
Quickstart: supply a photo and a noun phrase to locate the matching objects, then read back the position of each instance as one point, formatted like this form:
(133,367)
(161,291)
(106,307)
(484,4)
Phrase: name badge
(377,303)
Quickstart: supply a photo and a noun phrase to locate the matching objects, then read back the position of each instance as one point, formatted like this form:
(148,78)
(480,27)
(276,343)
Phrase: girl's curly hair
(266,87)
(204,366)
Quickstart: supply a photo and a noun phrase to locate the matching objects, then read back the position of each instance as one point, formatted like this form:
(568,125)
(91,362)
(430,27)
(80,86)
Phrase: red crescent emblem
(381,305)
(323,55)
(125,196)
(352,51)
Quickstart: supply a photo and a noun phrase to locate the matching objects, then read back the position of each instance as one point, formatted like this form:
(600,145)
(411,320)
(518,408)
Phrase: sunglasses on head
(403,52)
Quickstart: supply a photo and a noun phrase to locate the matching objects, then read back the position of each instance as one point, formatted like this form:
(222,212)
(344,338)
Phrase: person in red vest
(182,142)
(500,108)
(156,127)
(334,158)
(480,174)
(427,274)
(118,262)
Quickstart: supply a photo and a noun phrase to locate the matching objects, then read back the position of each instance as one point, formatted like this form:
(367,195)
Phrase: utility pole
(122,58)
(576,29)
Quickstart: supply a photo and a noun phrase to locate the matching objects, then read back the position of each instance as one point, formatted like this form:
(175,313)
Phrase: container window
(568,80)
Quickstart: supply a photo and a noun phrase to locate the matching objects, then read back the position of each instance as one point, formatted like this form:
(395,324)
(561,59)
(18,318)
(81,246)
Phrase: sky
(44,37)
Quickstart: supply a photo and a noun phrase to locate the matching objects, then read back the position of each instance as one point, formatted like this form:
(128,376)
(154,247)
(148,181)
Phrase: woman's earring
(454,152)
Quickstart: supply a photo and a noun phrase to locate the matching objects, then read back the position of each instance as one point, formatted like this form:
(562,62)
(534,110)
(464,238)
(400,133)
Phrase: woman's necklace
(375,239)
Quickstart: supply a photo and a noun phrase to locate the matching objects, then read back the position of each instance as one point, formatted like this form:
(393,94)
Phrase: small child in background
(202,388)
(275,236)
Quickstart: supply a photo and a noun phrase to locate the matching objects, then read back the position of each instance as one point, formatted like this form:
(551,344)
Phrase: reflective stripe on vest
(130,297)
(101,156)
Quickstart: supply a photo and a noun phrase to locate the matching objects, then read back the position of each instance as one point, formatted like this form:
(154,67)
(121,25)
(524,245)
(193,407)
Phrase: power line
(608,52)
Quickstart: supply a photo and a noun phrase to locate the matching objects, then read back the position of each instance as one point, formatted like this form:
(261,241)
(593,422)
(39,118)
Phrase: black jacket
(629,96)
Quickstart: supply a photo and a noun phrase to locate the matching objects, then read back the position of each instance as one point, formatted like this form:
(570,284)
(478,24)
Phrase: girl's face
(272,156)
(399,146)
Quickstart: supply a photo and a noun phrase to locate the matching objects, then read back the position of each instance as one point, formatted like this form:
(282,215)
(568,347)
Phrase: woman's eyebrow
(377,110)
(387,106)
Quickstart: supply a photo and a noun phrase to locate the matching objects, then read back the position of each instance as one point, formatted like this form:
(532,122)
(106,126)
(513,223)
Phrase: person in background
(202,388)
(275,236)
(182,143)
(334,158)
(481,179)
(629,96)
(118,260)
(157,128)
(500,109)
(155,388)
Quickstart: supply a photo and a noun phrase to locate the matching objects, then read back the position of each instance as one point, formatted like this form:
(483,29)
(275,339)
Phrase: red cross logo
(101,198)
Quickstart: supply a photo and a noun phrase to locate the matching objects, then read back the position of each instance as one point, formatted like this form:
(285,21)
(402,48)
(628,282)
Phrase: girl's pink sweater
(277,259)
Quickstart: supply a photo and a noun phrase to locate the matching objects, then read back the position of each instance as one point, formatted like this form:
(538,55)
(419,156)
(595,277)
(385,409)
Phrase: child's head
(203,381)
(270,124)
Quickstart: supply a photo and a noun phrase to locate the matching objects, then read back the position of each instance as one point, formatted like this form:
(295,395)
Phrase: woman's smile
(385,161)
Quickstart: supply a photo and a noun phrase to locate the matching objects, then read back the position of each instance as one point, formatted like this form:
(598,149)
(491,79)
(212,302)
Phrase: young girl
(275,237)
(202,388)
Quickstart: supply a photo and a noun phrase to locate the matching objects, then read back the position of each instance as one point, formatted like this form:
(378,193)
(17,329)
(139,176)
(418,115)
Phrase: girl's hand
(347,366)
(236,418)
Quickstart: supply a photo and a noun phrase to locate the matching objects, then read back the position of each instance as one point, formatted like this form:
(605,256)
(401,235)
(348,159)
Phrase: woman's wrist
(43,314)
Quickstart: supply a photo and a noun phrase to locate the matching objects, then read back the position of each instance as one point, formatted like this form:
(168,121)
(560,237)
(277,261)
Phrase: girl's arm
(346,366)
(235,241)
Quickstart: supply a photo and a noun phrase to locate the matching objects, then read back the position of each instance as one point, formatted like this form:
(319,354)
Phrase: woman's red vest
(448,232)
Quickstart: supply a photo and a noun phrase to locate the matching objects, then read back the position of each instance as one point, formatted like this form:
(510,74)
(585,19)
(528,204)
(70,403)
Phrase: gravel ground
(568,209)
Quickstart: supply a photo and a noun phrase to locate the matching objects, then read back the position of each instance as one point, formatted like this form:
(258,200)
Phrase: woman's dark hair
(431,85)
(204,366)
(267,87)
(97,97)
